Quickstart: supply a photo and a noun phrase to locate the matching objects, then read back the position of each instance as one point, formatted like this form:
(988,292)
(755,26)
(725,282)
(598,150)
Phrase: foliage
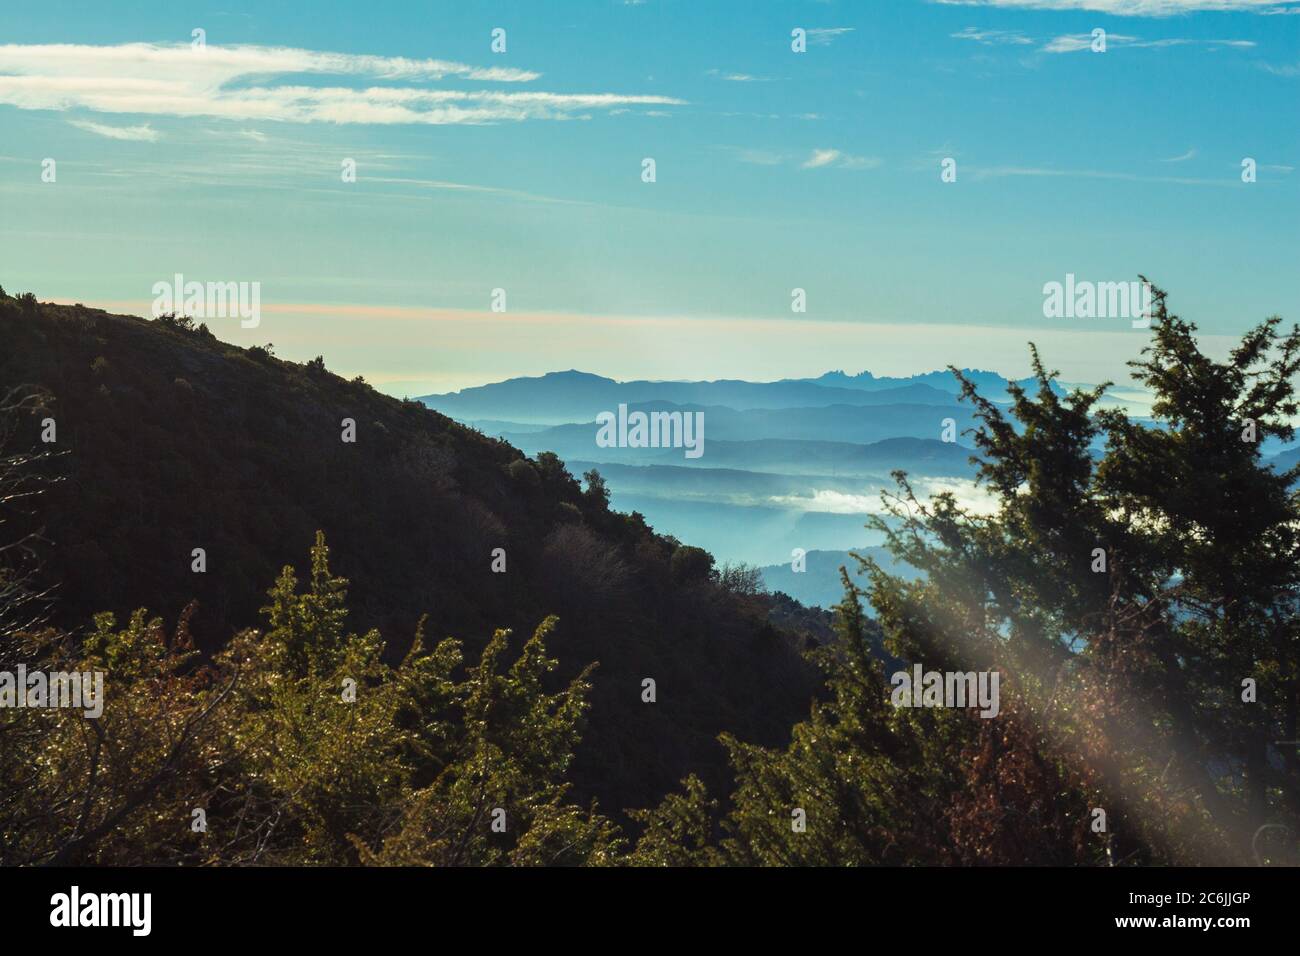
(1123,598)
(596,492)
(692,565)
(1134,589)
(299,745)
(23,601)
(741,578)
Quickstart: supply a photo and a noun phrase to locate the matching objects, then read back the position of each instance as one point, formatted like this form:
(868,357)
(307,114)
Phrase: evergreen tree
(1123,594)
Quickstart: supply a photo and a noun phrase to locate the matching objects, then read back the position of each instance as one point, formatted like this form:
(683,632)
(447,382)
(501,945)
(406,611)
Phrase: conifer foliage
(1136,592)
(299,746)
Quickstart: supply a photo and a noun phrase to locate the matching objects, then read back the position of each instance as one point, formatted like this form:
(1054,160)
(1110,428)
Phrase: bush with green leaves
(298,745)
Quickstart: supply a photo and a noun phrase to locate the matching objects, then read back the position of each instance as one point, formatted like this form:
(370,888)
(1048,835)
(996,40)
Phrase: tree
(22,483)
(678,832)
(596,491)
(177,321)
(555,475)
(741,578)
(854,786)
(692,565)
(1122,597)
(119,787)
(523,473)
(498,795)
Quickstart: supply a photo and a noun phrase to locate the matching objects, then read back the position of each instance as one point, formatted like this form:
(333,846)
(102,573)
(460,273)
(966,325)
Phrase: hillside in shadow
(169,440)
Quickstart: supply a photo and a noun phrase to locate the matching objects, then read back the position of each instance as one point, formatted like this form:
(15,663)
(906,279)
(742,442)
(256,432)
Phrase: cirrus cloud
(821,36)
(993,37)
(1139,8)
(140,134)
(178,80)
(825,158)
(1078,42)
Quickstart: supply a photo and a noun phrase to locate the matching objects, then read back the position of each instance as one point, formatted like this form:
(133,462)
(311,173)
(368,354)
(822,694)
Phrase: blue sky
(775,170)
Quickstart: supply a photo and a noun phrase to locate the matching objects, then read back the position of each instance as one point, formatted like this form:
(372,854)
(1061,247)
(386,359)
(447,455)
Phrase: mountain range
(795,463)
(563,397)
(784,464)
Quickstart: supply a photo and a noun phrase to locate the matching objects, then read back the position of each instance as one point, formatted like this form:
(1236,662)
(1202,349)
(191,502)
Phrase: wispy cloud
(739,77)
(759,157)
(997,172)
(176,80)
(969,495)
(141,134)
(824,158)
(821,157)
(438,184)
(1138,8)
(820,36)
(1190,154)
(993,37)
(1076,42)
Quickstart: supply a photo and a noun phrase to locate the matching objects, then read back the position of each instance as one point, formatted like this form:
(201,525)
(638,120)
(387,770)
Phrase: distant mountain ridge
(990,384)
(573,396)
(787,456)
(783,464)
(818,584)
(857,424)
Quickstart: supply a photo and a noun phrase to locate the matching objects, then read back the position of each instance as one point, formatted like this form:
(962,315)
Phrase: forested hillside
(169,440)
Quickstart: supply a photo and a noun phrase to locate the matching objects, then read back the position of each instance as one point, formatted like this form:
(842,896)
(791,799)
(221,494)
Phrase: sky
(775,170)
